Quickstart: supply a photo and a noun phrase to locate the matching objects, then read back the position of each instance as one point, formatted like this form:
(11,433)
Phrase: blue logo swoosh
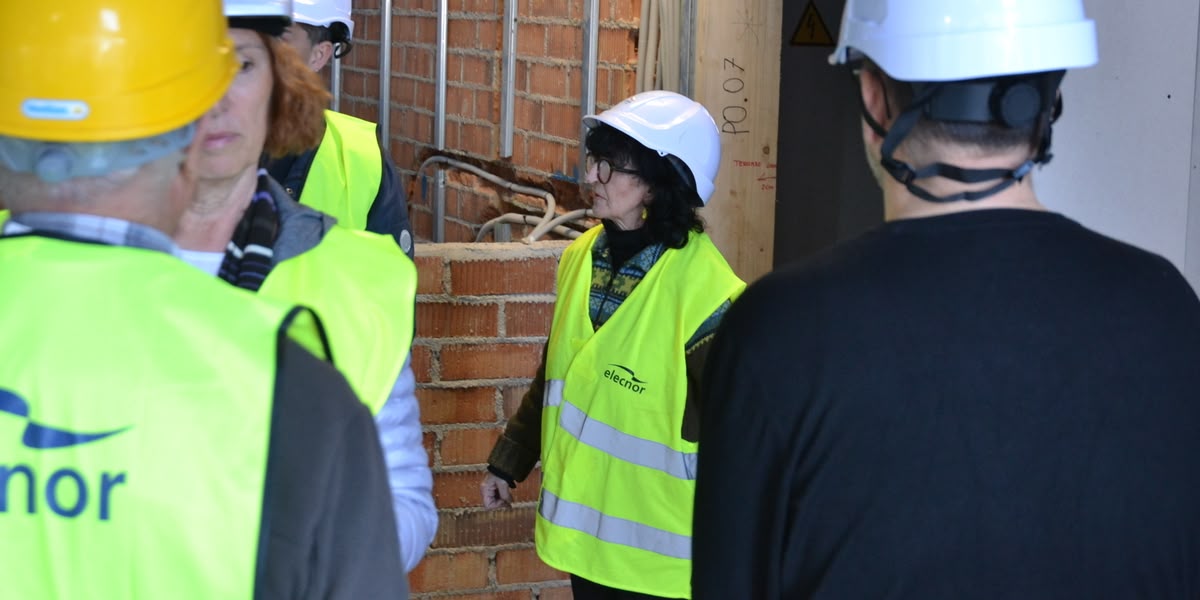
(43,437)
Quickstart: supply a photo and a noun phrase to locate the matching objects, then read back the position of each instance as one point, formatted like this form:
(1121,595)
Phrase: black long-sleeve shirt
(993,404)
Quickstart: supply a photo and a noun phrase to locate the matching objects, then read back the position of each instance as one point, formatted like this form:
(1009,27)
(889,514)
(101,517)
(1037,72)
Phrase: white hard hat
(324,13)
(269,16)
(670,124)
(948,40)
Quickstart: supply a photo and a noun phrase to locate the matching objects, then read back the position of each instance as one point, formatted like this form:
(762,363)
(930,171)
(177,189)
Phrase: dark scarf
(251,251)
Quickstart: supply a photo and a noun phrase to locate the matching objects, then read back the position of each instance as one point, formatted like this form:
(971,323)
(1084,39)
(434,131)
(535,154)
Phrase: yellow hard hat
(110,70)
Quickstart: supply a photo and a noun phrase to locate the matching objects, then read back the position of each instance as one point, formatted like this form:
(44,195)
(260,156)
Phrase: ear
(320,55)
(874,100)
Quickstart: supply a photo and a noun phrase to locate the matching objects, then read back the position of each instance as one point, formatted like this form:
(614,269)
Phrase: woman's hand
(495,492)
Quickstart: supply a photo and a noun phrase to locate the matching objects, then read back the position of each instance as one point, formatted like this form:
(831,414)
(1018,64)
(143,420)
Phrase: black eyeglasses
(605,169)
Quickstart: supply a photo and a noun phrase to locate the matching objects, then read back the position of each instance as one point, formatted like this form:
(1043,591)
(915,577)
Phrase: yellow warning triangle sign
(812,30)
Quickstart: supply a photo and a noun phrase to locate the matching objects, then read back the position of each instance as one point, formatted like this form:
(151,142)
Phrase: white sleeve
(409,476)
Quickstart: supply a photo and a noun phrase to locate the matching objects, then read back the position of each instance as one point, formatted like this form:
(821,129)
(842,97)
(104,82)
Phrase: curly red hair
(298,101)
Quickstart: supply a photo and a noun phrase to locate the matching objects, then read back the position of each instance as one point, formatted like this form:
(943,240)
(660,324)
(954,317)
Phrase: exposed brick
(530,489)
(426,98)
(457,319)
(547,80)
(366,56)
(511,595)
(488,277)
(478,207)
(460,101)
(617,45)
(547,155)
(626,11)
(443,572)
(429,441)
(524,566)
(486,106)
(430,274)
(549,8)
(489,361)
(462,32)
(564,41)
(489,33)
(562,120)
(458,490)
(404,28)
(422,363)
(427,28)
(422,222)
(527,114)
(457,405)
(526,319)
(531,39)
(556,593)
(468,446)
(480,6)
(418,62)
(511,398)
(457,232)
(485,528)
(476,139)
(476,70)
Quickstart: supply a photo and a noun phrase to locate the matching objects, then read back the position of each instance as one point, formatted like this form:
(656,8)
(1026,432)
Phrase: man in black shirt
(977,399)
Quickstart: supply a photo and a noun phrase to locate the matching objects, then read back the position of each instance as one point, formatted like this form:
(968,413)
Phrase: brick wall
(483,311)
(546,112)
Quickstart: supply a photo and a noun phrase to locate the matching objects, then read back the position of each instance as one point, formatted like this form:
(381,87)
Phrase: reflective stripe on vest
(617,474)
(363,287)
(618,444)
(135,411)
(611,529)
(344,178)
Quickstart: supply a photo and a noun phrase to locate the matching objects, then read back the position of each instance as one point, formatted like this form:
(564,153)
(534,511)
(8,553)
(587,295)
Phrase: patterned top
(105,230)
(610,287)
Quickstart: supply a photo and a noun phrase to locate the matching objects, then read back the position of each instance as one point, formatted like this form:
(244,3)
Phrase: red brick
(527,114)
(422,222)
(418,62)
(468,446)
(487,277)
(460,101)
(457,405)
(513,595)
(524,566)
(427,28)
(457,319)
(526,319)
(480,6)
(556,593)
(511,398)
(476,139)
(564,41)
(478,207)
(485,528)
(531,39)
(488,33)
(458,571)
(458,490)
(457,232)
(431,273)
(626,11)
(547,155)
(617,45)
(404,29)
(422,363)
(476,70)
(489,361)
(547,80)
(461,32)
(365,55)
(530,489)
(486,107)
(563,120)
(429,440)
(549,8)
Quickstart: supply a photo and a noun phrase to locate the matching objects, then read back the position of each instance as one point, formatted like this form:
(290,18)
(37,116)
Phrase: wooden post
(737,79)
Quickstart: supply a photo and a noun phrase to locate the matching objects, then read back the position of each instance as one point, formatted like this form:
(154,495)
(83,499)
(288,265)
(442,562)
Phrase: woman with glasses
(608,413)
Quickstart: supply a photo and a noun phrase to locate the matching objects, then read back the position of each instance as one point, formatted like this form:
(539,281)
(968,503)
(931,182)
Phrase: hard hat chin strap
(1006,102)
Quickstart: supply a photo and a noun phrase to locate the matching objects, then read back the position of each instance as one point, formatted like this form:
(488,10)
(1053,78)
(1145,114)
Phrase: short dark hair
(336,33)
(927,134)
(672,210)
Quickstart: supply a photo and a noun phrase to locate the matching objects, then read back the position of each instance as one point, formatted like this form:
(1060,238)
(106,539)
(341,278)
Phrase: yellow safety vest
(135,416)
(3,217)
(363,286)
(617,477)
(346,171)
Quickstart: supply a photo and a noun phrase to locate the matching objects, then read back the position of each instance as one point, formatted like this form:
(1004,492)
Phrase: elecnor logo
(66,490)
(631,383)
(55,110)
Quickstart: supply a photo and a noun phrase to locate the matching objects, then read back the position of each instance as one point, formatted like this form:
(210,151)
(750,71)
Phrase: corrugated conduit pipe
(545,223)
